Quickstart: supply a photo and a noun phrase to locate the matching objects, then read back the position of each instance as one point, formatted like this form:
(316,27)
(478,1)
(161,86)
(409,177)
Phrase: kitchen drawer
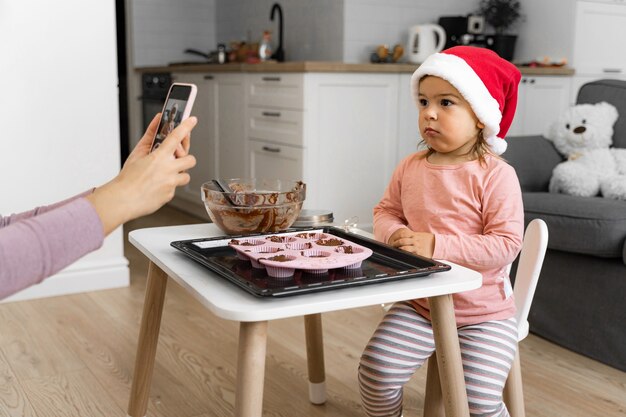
(275,125)
(269,160)
(276,90)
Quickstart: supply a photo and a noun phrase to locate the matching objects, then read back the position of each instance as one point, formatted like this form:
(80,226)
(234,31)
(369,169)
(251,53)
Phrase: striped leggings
(404,340)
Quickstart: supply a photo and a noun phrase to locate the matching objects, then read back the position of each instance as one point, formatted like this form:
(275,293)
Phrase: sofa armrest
(534,158)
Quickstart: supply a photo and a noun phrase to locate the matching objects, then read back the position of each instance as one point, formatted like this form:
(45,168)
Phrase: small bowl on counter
(253,205)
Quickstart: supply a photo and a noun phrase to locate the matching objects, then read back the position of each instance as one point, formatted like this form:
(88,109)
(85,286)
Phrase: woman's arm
(34,248)
(14,218)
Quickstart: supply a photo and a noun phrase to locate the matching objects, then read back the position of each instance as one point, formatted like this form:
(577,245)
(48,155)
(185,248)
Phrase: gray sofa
(580,302)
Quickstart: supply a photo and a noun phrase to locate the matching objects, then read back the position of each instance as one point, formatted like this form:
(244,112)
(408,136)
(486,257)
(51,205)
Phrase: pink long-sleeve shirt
(41,242)
(476,214)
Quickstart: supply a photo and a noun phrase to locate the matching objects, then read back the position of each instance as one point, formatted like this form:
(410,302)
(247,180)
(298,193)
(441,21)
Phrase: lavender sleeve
(39,243)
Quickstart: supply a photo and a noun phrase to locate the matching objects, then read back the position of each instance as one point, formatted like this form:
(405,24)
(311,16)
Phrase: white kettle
(425,40)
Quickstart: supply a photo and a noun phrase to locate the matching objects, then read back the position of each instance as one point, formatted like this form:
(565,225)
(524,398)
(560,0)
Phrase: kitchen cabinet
(335,131)
(218,140)
(350,139)
(408,129)
(599,33)
(268,160)
(541,99)
(275,127)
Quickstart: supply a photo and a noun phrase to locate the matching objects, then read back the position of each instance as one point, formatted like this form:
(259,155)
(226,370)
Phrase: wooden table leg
(433,401)
(315,358)
(148,338)
(449,356)
(251,369)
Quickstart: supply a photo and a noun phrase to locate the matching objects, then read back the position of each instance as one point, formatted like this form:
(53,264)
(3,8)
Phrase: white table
(227,301)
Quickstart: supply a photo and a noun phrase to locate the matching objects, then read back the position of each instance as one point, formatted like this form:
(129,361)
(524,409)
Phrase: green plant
(501,14)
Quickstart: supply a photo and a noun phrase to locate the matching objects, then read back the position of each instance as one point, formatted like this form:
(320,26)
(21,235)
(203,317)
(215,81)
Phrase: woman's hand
(148,180)
(145,143)
(419,243)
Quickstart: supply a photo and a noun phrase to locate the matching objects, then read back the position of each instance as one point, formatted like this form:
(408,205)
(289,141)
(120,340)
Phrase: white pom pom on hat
(488,83)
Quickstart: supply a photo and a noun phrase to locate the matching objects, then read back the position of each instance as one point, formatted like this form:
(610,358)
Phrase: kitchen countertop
(323,66)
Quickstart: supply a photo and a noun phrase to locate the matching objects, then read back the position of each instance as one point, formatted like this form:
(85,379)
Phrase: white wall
(369,23)
(163,29)
(59,108)
(312,29)
(546,30)
(328,30)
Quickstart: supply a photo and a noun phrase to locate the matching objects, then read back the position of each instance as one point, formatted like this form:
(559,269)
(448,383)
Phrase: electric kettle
(424,40)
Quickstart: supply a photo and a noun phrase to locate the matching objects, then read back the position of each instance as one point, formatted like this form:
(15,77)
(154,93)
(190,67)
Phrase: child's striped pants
(404,340)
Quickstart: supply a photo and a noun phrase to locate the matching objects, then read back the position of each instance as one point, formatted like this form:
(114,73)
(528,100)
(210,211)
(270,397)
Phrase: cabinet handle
(208,77)
(612,70)
(271,113)
(524,80)
(271,78)
(532,81)
(270,149)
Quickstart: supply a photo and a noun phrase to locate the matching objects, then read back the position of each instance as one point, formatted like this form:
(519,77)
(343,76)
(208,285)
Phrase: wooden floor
(74,356)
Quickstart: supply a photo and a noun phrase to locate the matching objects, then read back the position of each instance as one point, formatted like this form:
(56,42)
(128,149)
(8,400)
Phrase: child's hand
(419,243)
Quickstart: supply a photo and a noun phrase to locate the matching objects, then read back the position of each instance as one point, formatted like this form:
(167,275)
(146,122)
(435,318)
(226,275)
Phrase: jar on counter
(221,53)
(265,47)
(314,218)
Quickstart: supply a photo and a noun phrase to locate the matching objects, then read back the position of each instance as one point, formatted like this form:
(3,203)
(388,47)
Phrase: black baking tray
(385,264)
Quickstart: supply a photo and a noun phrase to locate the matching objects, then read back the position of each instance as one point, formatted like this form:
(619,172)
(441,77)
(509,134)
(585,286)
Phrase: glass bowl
(253,205)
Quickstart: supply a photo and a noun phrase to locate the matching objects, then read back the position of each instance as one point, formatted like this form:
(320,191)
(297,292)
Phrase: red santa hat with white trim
(488,83)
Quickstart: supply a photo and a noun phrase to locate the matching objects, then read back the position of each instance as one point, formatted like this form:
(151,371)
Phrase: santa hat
(488,83)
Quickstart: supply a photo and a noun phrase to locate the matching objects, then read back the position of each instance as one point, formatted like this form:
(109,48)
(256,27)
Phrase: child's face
(447,122)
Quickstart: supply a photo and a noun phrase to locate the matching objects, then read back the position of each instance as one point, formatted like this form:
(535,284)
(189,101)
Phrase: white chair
(528,269)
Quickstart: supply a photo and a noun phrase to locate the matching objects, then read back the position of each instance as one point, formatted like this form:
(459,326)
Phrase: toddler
(457,200)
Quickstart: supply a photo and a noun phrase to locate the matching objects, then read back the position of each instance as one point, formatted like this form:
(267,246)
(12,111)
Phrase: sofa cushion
(588,225)
(534,158)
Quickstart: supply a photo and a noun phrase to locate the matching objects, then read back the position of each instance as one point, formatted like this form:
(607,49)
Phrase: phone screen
(173,112)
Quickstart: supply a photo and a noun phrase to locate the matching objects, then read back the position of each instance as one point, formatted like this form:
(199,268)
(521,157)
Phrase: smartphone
(177,108)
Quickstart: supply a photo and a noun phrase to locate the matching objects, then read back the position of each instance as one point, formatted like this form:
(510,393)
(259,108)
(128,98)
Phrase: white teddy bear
(584,134)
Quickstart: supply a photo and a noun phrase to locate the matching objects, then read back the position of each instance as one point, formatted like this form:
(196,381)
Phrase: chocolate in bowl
(254,205)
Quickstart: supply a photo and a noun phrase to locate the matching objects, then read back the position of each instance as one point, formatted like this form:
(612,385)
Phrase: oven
(154,87)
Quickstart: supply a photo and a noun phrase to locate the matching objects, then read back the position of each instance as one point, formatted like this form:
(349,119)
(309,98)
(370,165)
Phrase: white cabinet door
(269,160)
(600,31)
(351,141)
(541,100)
(230,124)
(408,129)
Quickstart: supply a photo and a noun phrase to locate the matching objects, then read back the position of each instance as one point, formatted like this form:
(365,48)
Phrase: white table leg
(449,356)
(251,369)
(315,358)
(148,338)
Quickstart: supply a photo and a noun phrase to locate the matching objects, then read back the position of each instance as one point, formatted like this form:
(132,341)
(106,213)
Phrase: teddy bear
(584,135)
